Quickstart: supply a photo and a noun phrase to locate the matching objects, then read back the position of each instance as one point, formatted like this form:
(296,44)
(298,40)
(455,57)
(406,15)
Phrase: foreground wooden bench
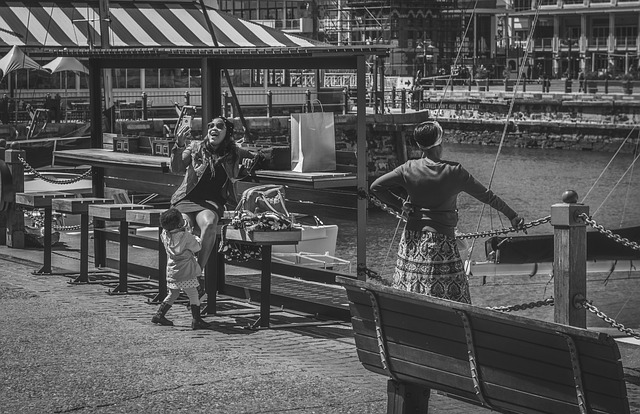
(504,362)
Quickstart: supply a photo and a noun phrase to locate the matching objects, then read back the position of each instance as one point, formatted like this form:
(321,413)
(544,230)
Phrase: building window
(151,78)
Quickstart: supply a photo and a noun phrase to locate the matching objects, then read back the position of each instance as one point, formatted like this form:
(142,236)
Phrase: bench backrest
(522,365)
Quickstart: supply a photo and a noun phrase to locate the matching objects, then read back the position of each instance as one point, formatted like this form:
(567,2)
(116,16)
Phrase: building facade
(599,37)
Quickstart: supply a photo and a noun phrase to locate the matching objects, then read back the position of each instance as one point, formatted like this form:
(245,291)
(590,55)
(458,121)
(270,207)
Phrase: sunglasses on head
(217,124)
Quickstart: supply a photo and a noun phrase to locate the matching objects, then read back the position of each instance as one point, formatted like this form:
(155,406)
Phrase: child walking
(182,267)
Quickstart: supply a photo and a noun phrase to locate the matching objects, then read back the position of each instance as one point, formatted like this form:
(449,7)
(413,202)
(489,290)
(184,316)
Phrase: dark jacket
(191,157)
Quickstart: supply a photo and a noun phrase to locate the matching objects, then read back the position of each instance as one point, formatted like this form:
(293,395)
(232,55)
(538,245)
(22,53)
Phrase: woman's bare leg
(207,221)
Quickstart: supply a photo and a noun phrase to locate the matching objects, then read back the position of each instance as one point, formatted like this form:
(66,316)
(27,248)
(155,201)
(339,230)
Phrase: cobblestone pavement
(74,348)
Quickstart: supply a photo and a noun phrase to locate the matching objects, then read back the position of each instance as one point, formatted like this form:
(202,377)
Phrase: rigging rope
(626,198)
(617,183)
(584,200)
(506,124)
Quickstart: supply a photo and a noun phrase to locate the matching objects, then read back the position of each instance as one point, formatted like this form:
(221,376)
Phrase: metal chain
(530,305)
(591,308)
(35,172)
(399,216)
(506,230)
(615,237)
(38,221)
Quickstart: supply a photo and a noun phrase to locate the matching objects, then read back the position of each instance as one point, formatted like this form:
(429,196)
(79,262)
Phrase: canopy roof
(62,64)
(14,60)
(133,26)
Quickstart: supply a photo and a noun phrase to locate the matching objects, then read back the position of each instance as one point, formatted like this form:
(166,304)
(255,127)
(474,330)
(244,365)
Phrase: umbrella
(16,59)
(65,64)
(61,64)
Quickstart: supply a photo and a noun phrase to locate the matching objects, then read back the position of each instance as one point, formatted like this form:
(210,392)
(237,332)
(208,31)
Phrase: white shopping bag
(313,142)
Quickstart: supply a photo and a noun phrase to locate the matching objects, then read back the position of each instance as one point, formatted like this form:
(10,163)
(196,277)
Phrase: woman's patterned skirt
(429,263)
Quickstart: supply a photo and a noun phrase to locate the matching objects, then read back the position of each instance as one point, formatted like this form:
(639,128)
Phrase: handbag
(264,198)
(313,142)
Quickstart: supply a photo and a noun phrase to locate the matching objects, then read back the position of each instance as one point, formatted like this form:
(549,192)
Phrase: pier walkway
(74,348)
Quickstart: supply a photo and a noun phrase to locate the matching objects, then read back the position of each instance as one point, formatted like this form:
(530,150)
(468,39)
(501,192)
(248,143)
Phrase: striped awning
(136,24)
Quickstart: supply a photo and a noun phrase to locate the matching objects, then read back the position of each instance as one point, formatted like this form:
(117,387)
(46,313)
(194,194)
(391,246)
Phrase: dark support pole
(405,398)
(393,97)
(381,68)
(187,98)
(97,176)
(265,287)
(570,260)
(361,151)
(15,216)
(145,104)
(345,108)
(606,85)
(269,104)
(403,100)
(308,101)
(211,99)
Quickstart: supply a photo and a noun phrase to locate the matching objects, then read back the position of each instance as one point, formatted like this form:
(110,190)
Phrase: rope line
(584,200)
(617,183)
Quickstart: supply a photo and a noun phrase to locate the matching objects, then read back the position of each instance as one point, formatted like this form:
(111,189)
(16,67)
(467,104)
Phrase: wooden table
(264,239)
(154,171)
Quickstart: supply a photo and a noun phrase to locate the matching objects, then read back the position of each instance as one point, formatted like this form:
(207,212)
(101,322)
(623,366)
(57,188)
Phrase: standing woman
(428,258)
(212,167)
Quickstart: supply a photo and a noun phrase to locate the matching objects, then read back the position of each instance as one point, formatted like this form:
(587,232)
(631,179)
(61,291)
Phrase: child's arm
(193,243)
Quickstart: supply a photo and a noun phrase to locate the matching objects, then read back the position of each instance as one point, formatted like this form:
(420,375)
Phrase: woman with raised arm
(212,167)
(426,190)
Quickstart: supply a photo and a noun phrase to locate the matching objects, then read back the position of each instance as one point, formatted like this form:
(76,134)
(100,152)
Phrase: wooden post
(570,260)
(405,398)
(15,216)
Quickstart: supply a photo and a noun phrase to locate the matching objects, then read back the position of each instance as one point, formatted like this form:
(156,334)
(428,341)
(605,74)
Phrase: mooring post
(570,260)
(15,216)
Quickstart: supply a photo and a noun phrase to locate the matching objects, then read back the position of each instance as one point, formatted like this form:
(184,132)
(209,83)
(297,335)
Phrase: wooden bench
(43,200)
(80,206)
(504,362)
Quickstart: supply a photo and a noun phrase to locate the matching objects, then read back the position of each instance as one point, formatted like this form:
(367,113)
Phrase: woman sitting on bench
(211,167)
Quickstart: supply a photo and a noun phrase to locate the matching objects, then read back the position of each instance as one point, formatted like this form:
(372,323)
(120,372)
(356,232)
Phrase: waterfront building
(599,37)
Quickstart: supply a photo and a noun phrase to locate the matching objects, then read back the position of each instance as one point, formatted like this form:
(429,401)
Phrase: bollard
(269,104)
(570,260)
(345,107)
(309,108)
(606,85)
(187,98)
(144,106)
(567,85)
(524,85)
(393,97)
(419,92)
(15,216)
(403,100)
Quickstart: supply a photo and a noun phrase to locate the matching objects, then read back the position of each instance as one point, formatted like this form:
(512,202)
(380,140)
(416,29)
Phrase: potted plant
(482,78)
(627,83)
(590,81)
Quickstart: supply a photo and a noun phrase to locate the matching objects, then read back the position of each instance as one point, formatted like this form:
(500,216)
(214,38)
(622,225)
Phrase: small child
(182,267)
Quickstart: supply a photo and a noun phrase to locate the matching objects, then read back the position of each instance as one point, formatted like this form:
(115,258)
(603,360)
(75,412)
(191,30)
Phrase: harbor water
(530,181)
